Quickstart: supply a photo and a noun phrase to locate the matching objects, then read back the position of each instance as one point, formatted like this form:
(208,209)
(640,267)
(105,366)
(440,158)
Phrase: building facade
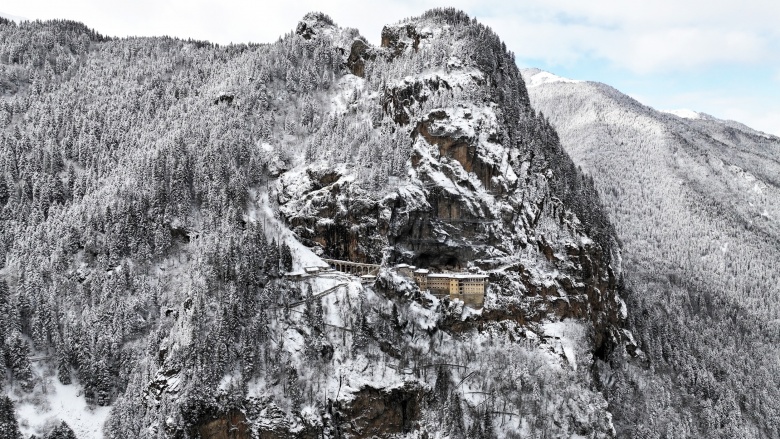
(468,287)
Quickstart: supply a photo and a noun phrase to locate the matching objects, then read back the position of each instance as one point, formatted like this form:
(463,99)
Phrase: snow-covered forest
(696,204)
(154,192)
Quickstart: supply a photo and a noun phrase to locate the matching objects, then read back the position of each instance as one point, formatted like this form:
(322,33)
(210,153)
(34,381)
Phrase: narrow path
(318,295)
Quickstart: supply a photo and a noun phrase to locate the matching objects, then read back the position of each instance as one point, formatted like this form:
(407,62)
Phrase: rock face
(399,98)
(233,425)
(313,25)
(335,215)
(399,38)
(462,149)
(479,189)
(381,412)
(359,54)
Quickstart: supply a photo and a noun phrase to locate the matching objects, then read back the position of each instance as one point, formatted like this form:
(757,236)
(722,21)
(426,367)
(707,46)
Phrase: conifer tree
(17,359)
(3,191)
(63,371)
(9,427)
(287,259)
(62,431)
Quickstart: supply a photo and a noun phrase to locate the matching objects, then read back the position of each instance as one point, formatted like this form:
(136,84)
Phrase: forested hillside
(155,192)
(696,204)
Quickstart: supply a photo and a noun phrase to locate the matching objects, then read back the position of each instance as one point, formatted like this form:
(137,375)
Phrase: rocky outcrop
(328,211)
(233,425)
(462,149)
(359,54)
(400,37)
(313,24)
(482,190)
(381,412)
(398,99)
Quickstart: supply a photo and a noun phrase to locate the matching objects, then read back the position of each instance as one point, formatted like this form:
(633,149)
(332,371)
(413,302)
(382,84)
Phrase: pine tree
(17,358)
(441,388)
(457,428)
(395,318)
(287,259)
(62,431)
(5,311)
(488,431)
(3,191)
(63,369)
(272,259)
(9,427)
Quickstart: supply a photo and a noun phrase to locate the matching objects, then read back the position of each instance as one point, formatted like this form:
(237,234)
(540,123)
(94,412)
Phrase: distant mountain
(15,18)
(696,203)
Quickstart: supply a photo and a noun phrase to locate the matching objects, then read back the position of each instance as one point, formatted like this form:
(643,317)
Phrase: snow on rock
(568,337)
(315,25)
(349,90)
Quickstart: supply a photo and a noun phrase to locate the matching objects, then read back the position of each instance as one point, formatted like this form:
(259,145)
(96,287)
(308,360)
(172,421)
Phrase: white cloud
(758,118)
(681,49)
(643,37)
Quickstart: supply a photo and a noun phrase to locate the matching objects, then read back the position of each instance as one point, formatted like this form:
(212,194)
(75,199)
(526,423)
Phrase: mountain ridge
(698,225)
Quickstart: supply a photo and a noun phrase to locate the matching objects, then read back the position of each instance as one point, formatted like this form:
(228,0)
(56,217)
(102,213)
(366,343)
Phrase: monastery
(468,287)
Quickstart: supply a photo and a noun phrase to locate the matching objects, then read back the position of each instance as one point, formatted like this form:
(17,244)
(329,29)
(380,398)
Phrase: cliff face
(477,181)
(483,185)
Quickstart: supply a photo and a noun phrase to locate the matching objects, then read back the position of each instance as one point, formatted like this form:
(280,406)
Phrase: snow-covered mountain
(11,17)
(161,200)
(696,203)
(165,206)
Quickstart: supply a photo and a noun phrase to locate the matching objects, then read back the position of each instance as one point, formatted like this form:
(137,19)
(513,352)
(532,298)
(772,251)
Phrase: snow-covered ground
(44,409)
(302,256)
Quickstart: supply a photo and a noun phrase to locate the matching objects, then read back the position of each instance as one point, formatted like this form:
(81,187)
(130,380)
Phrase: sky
(719,57)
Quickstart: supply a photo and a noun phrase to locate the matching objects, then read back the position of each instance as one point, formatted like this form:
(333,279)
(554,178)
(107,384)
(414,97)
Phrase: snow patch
(536,77)
(684,113)
(567,335)
(43,410)
(348,91)
(692,115)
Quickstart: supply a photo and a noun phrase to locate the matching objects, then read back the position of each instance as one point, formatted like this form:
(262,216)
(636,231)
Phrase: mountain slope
(155,193)
(696,204)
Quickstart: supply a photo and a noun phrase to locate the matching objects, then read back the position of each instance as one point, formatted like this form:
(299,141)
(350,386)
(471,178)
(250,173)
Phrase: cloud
(682,49)
(644,37)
